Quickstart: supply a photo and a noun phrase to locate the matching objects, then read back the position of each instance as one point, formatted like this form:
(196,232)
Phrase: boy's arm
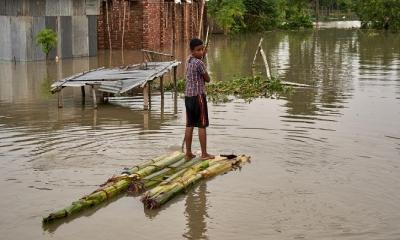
(204,73)
(206,77)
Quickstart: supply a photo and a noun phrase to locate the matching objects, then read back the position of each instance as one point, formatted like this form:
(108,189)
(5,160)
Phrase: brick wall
(149,24)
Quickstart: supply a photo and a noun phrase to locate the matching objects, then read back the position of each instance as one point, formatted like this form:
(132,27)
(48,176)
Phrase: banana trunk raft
(159,179)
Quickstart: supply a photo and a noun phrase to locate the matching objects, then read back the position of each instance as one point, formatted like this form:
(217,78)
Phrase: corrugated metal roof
(117,80)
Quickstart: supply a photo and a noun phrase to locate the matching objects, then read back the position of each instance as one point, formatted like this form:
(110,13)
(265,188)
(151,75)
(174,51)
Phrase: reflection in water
(315,153)
(196,213)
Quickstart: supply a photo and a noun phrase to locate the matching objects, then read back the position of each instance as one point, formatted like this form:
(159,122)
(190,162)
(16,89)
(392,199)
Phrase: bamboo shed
(120,80)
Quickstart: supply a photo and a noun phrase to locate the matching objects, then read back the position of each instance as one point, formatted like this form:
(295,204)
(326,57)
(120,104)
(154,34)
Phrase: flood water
(325,160)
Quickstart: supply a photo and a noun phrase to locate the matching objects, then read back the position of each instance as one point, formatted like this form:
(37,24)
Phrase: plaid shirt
(195,84)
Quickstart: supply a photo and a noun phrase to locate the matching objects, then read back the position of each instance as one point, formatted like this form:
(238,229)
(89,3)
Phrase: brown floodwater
(325,160)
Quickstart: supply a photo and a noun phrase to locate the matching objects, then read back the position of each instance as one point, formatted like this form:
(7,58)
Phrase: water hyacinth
(246,88)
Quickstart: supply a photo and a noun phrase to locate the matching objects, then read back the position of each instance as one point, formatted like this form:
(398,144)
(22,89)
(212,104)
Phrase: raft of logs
(158,180)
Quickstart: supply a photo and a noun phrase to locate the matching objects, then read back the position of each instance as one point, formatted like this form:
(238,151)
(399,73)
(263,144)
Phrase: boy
(195,99)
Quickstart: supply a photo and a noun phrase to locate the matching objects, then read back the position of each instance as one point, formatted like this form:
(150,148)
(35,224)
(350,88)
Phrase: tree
(297,14)
(379,14)
(47,39)
(263,14)
(228,14)
(260,15)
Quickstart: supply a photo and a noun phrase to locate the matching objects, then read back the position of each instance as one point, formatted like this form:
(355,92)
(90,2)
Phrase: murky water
(325,160)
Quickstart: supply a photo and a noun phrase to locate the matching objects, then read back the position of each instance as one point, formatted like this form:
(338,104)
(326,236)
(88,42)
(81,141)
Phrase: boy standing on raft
(195,99)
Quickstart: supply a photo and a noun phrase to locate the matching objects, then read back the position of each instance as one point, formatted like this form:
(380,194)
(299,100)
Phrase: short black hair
(195,42)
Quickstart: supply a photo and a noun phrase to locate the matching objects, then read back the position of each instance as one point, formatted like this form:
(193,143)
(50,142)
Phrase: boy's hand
(205,52)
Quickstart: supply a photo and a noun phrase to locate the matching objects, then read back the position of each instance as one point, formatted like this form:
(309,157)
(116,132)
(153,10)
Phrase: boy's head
(197,48)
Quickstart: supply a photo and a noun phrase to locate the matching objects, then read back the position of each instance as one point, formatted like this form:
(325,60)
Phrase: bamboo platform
(119,80)
(157,180)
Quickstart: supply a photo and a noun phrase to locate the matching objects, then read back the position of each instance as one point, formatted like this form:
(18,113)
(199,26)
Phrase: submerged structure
(75,23)
(120,80)
(84,26)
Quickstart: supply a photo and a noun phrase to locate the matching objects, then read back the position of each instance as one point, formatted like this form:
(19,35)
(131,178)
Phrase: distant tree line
(261,15)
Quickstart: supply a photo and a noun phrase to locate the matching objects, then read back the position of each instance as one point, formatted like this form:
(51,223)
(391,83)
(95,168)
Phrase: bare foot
(207,156)
(189,156)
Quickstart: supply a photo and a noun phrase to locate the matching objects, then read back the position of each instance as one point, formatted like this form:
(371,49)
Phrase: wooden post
(162,109)
(94,97)
(162,86)
(146,96)
(83,93)
(60,99)
(108,27)
(146,118)
(175,95)
(123,33)
(175,79)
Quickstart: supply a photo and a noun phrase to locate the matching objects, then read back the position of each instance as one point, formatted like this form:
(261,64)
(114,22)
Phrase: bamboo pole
(123,27)
(264,57)
(203,3)
(187,177)
(108,27)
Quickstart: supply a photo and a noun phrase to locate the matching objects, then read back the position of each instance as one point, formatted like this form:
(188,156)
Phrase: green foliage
(246,88)
(47,39)
(228,14)
(344,5)
(263,14)
(260,15)
(297,15)
(379,14)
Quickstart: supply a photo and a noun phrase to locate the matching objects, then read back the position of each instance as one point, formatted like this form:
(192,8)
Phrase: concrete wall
(73,20)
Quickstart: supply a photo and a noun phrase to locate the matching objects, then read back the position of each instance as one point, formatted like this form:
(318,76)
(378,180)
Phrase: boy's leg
(203,144)
(188,141)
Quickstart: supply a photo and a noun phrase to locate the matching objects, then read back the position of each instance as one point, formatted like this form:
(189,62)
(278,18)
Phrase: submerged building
(75,22)
(84,26)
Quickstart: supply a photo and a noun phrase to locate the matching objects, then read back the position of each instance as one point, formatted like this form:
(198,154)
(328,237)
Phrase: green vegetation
(47,39)
(246,88)
(379,14)
(229,14)
(260,15)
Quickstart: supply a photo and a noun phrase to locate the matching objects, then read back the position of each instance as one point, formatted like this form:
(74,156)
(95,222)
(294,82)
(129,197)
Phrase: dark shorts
(196,111)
